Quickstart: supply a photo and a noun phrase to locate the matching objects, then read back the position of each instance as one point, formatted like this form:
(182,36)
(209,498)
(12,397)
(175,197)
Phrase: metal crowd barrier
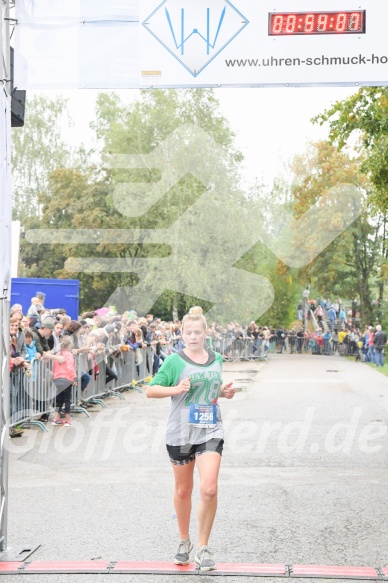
(33,394)
(243,349)
(130,368)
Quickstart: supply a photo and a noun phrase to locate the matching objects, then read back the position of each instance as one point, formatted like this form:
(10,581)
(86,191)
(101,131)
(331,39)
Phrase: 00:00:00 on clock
(317,23)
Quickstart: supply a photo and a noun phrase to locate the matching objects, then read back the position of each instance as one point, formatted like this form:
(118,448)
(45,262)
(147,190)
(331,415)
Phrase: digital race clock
(289,23)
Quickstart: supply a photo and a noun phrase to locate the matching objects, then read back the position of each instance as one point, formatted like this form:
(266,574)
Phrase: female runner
(192,378)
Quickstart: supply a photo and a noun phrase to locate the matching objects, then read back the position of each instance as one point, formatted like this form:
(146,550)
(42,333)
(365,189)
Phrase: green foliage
(37,150)
(364,114)
(73,199)
(350,264)
(80,198)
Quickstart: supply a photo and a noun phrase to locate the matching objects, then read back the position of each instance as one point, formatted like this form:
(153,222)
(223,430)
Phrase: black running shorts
(181,455)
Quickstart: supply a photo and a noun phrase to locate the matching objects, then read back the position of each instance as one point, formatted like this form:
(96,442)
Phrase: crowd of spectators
(338,331)
(336,313)
(103,334)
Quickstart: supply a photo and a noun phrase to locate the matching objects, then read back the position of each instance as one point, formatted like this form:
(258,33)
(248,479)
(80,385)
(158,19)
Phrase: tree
(218,225)
(79,200)
(365,114)
(140,128)
(350,264)
(74,200)
(37,150)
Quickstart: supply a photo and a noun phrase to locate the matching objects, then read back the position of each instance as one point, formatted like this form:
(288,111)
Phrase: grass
(383,370)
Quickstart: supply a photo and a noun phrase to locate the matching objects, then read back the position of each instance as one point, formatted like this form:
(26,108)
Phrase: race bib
(202,415)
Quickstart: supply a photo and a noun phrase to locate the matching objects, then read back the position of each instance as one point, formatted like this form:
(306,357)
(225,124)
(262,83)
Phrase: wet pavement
(304,476)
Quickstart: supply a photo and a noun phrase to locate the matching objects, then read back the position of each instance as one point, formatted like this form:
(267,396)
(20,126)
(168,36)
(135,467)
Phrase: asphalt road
(304,476)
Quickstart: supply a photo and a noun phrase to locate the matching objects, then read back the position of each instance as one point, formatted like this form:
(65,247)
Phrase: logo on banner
(195,33)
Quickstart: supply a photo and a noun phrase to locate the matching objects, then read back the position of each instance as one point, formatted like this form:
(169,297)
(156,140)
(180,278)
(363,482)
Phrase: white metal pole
(5,289)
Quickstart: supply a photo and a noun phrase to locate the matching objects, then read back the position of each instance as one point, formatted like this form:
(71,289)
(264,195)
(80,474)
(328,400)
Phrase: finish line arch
(355,57)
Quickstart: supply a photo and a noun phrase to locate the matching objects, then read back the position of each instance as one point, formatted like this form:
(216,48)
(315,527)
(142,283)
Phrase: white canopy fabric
(76,44)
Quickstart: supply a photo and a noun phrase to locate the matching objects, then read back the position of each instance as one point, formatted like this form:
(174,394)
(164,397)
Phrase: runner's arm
(159,391)
(227,391)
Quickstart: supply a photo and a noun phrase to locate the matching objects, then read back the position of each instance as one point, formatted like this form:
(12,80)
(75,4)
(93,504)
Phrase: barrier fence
(4,414)
(242,348)
(33,393)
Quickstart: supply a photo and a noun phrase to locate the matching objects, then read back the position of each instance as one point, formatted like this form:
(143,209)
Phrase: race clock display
(306,23)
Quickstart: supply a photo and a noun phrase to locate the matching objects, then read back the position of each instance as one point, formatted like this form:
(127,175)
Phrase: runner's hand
(228,391)
(183,387)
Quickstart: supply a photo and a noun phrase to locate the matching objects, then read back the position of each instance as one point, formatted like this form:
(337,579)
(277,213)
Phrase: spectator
(334,341)
(135,341)
(71,328)
(371,350)
(331,316)
(41,338)
(105,338)
(353,339)
(65,377)
(365,343)
(345,343)
(280,340)
(32,355)
(17,316)
(300,337)
(88,315)
(41,297)
(336,306)
(56,336)
(319,342)
(32,313)
(31,351)
(341,336)
(17,365)
(292,340)
(379,341)
(319,314)
(65,321)
(342,315)
(326,339)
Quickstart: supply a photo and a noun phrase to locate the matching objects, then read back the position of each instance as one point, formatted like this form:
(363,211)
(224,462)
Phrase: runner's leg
(182,496)
(208,466)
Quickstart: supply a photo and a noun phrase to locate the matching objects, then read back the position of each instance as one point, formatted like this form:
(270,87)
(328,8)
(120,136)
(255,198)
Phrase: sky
(272,125)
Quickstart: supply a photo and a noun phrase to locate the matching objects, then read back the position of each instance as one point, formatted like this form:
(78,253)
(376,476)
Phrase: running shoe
(67,423)
(204,559)
(182,556)
(15,432)
(57,422)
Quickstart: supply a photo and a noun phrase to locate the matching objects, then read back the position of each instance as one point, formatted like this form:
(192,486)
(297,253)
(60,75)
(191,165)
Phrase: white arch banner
(181,43)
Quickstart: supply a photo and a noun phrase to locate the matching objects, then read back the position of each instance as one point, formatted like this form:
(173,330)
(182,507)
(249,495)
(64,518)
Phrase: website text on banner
(179,43)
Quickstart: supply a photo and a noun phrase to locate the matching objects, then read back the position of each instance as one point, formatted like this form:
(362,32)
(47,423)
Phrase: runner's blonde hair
(194,314)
